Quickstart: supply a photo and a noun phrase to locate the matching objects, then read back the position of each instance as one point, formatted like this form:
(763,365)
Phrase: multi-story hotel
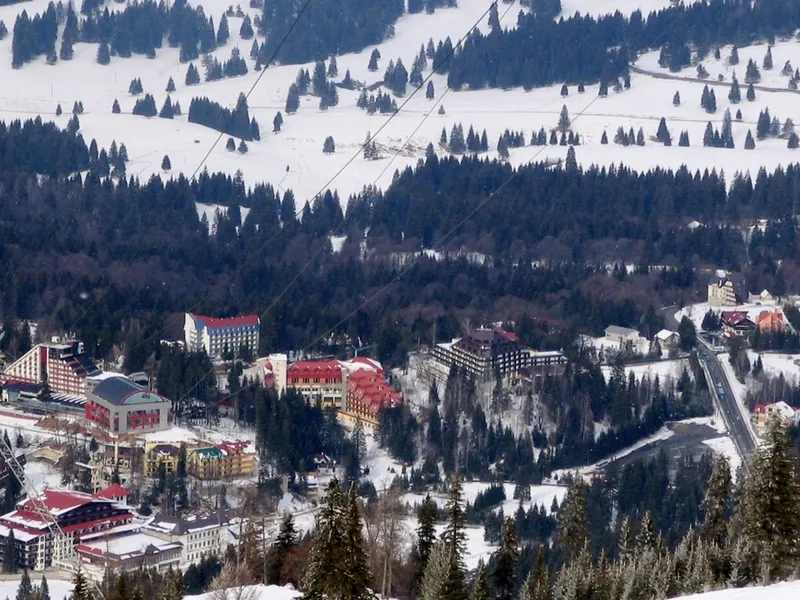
(65,366)
(218,336)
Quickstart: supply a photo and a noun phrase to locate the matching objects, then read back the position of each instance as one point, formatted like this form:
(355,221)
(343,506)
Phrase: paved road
(721,391)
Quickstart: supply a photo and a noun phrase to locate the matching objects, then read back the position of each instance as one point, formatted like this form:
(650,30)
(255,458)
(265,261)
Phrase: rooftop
(115,490)
(214,323)
(617,330)
(117,390)
(128,546)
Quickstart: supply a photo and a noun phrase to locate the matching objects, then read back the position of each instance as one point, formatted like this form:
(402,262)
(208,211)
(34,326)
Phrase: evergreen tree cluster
(604,44)
(34,37)
(235,122)
(380,103)
(145,107)
(235,66)
(630,138)
(396,77)
(328,27)
(708,100)
(136,87)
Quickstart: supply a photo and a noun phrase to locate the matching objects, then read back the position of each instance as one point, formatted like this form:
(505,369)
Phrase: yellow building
(156,454)
(226,460)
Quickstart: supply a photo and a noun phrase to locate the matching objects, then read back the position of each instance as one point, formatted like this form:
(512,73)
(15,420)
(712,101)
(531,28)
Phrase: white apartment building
(218,336)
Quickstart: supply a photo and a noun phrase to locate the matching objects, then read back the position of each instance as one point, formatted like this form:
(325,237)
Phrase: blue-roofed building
(119,405)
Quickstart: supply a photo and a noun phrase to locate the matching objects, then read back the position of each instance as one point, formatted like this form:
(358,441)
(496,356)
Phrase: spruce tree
(426,537)
(564,90)
(767,64)
(749,142)
(480,585)
(683,141)
(246,30)
(646,539)
(324,577)
(80,588)
(242,148)
(752,74)
(333,68)
(502,148)
(284,544)
(170,86)
(59,110)
(103,54)
(793,141)
(277,122)
(751,93)
(734,58)
(230,145)
(564,122)
(115,107)
(292,99)
(166,165)
(166,111)
(735,94)
(223,33)
(44,589)
(455,539)
(192,75)
(25,588)
(717,503)
(572,529)
(435,572)
(663,133)
(505,561)
(771,497)
(604,138)
(676,99)
(373,60)
(10,554)
(329,146)
(356,562)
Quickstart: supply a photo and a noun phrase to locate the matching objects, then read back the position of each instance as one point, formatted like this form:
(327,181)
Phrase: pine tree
(734,58)
(255,130)
(752,74)
(114,109)
(563,119)
(44,589)
(74,125)
(292,99)
(10,554)
(242,148)
(727,130)
(223,33)
(441,109)
(103,54)
(735,94)
(604,138)
(502,148)
(505,561)
(767,64)
(80,590)
(426,535)
(749,142)
(763,124)
(571,164)
(25,589)
(646,540)
(572,528)
(329,147)
(277,122)
(333,68)
(192,75)
(230,145)
(356,564)
(246,30)
(716,504)
(564,90)
(676,99)
(480,585)
(793,142)
(358,439)
(373,60)
(663,133)
(170,86)
(751,93)
(435,572)
(166,111)
(772,493)
(166,165)
(683,141)
(640,137)
(284,544)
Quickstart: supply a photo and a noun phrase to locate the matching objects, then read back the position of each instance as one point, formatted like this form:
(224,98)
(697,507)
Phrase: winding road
(721,391)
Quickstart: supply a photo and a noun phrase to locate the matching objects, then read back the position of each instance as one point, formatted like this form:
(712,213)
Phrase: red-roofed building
(114,492)
(319,381)
(367,392)
(218,336)
(736,324)
(38,543)
(770,321)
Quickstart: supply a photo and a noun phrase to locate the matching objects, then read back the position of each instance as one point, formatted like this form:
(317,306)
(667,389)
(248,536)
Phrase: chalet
(668,339)
(735,323)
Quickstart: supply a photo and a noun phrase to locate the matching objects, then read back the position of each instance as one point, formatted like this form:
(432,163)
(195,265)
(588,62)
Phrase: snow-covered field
(293,158)
(227,430)
(59,589)
(788,590)
(251,592)
(665,369)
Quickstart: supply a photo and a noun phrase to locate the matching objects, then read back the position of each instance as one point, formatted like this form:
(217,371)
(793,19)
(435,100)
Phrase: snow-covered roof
(128,546)
(665,334)
(783,409)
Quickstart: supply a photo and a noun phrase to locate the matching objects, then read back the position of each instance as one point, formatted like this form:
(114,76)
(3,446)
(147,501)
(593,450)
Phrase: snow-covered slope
(789,590)
(293,158)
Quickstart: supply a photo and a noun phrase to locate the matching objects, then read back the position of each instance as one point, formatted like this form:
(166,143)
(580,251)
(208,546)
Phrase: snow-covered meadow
(293,158)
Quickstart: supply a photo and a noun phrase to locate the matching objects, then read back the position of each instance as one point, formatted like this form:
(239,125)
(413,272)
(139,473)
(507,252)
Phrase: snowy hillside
(294,159)
(780,591)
